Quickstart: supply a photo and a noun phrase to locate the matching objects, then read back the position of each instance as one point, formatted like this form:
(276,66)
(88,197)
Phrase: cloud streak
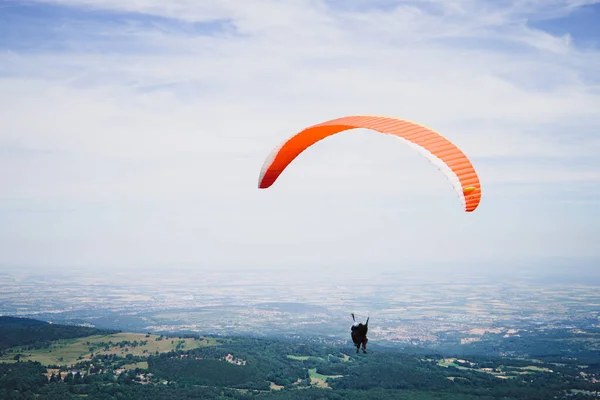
(139,128)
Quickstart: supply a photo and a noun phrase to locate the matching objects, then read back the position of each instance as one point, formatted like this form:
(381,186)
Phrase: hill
(18,322)
(37,334)
(145,366)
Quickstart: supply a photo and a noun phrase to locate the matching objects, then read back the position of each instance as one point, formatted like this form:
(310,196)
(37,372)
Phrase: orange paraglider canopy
(436,148)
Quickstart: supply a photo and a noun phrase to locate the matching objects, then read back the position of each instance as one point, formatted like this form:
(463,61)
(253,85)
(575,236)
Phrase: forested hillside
(38,334)
(179,367)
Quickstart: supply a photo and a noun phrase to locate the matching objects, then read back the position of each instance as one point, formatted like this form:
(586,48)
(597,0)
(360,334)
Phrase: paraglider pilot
(359,334)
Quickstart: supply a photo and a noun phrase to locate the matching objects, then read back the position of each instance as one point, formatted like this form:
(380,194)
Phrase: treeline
(265,362)
(38,334)
(207,372)
(385,373)
(203,373)
(373,394)
(550,345)
(22,378)
(25,380)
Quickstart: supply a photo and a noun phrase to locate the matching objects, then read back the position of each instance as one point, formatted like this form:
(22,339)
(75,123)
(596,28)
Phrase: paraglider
(436,148)
(359,334)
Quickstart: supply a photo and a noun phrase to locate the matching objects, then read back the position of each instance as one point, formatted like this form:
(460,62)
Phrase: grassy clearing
(320,380)
(534,368)
(273,386)
(339,357)
(502,372)
(303,358)
(317,379)
(141,365)
(70,351)
(455,378)
(451,362)
(299,358)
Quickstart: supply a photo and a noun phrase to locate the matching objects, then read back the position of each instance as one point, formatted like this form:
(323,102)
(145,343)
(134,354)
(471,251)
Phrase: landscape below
(50,361)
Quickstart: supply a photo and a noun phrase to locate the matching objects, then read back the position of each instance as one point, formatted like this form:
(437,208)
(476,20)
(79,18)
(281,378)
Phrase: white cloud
(157,152)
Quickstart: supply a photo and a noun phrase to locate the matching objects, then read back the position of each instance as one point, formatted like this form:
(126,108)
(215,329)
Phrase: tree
(77,379)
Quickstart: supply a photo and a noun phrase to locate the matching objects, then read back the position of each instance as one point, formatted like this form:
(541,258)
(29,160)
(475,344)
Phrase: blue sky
(133,133)
(581,25)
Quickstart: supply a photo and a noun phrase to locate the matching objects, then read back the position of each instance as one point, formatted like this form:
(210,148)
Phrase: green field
(70,351)
(534,368)
(499,372)
(299,358)
(451,362)
(320,380)
(344,357)
(141,365)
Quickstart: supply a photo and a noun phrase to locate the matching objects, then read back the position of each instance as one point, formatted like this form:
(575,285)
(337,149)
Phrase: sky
(132,133)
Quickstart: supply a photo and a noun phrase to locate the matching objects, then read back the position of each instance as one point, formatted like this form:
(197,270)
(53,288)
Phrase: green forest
(38,334)
(250,368)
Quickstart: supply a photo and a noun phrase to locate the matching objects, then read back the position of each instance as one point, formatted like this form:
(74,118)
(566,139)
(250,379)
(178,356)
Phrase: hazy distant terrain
(264,335)
(454,312)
